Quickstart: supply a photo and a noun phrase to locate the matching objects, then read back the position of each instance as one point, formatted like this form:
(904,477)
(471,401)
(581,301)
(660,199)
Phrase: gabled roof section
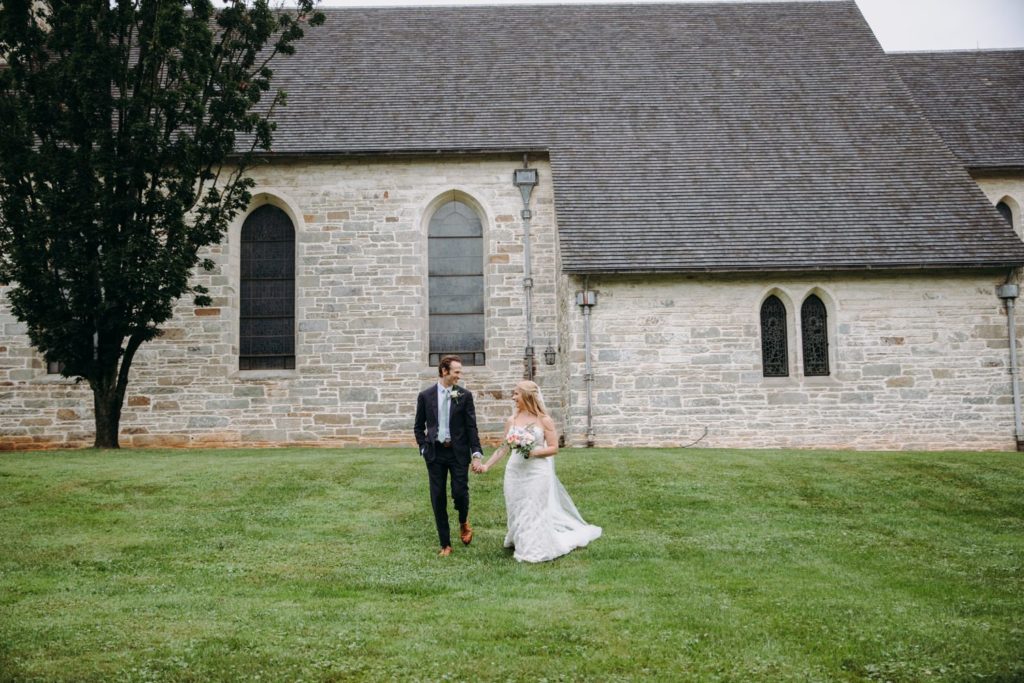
(682,137)
(975,101)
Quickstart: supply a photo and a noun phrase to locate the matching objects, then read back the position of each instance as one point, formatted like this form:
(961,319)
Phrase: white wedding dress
(543,523)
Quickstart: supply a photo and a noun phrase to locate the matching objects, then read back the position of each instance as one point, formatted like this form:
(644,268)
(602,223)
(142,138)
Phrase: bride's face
(517,398)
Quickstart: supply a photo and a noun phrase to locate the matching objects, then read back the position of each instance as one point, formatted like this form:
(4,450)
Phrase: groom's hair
(445,366)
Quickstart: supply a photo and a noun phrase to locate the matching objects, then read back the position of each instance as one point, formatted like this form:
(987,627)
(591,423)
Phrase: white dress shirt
(443,428)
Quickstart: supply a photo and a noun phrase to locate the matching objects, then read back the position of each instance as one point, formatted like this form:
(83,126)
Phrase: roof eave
(628,270)
(995,169)
(392,152)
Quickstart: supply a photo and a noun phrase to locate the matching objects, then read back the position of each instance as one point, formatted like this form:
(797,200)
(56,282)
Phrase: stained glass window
(456,284)
(774,348)
(814,330)
(267,318)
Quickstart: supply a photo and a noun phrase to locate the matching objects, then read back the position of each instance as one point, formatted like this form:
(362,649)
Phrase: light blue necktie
(442,429)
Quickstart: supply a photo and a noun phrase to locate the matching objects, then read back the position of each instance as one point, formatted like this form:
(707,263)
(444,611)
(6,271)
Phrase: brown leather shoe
(445,551)
(466,532)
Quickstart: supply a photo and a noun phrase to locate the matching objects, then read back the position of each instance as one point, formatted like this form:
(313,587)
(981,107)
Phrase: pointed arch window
(774,347)
(1005,211)
(814,331)
(267,310)
(455,256)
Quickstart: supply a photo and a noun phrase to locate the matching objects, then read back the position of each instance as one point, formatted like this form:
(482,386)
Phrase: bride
(543,523)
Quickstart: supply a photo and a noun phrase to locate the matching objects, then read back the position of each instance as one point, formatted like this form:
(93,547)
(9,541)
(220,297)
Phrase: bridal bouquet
(521,440)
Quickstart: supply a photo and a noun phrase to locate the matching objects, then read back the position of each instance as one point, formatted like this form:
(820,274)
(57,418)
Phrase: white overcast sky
(898,24)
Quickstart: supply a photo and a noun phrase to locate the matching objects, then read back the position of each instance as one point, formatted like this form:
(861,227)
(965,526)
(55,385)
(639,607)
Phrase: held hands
(479,466)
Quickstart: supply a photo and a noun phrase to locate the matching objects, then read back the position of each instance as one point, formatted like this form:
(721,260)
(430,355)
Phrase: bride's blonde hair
(532,400)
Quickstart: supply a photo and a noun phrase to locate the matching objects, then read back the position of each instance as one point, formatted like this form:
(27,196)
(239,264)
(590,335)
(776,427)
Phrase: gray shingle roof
(975,101)
(682,137)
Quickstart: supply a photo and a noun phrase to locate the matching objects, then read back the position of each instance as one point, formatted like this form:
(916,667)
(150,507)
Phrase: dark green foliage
(118,128)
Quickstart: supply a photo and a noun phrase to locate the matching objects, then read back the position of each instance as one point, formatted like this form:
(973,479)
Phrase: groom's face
(453,375)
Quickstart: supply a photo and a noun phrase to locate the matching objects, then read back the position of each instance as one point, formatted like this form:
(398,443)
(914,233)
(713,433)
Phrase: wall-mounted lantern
(549,355)
(525,179)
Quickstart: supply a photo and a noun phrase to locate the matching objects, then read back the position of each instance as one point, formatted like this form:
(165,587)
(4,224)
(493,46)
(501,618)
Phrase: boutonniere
(456,395)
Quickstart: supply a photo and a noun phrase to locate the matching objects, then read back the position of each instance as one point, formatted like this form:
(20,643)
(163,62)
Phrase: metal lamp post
(526,179)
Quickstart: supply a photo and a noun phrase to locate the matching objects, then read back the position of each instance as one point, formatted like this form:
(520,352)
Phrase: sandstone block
(787,398)
(227,404)
(881,370)
(207,422)
(159,440)
(657,382)
(328,419)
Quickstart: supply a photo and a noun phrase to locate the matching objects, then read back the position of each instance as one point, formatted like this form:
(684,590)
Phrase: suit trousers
(445,464)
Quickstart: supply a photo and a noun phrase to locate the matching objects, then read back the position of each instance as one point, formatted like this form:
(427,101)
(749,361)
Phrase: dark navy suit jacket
(461,423)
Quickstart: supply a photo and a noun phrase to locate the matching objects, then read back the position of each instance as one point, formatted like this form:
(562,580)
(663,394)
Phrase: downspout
(528,359)
(1008,292)
(587,300)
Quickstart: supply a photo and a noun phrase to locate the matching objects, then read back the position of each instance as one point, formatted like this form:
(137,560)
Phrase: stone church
(721,225)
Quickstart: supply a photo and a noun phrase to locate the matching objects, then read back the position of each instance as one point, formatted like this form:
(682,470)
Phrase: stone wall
(918,361)
(361,319)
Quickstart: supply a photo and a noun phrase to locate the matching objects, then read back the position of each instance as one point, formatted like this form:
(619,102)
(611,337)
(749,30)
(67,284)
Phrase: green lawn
(315,565)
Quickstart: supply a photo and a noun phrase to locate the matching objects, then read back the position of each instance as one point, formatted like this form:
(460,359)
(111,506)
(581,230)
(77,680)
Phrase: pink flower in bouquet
(521,440)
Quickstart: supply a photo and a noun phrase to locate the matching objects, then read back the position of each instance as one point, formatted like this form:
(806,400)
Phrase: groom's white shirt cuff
(478,455)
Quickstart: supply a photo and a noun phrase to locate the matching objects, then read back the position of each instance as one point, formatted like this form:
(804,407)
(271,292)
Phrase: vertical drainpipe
(1008,292)
(587,300)
(528,356)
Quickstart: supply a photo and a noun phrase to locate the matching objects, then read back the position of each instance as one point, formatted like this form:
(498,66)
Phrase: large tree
(120,126)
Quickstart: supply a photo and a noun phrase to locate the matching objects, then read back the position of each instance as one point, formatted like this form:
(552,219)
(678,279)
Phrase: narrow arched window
(1004,210)
(774,349)
(267,310)
(455,255)
(814,330)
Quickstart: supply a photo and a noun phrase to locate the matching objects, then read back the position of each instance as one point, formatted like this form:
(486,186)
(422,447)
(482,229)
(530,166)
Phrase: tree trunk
(107,401)
(108,394)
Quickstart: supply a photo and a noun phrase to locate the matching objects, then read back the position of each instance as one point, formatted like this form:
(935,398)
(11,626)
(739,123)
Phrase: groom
(446,433)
